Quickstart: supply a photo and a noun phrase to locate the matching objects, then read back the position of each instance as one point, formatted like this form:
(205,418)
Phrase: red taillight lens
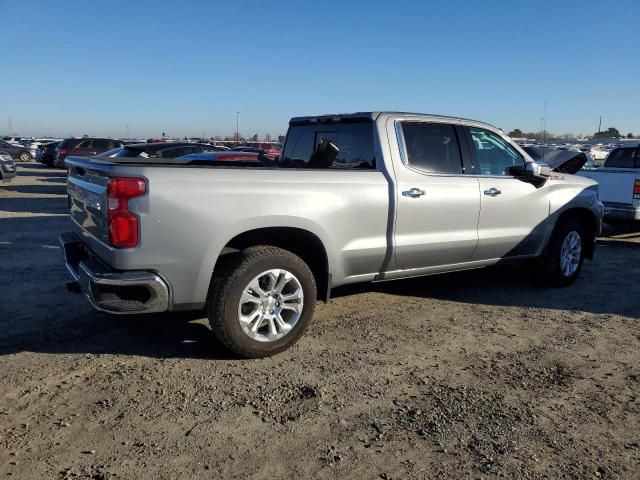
(636,189)
(123,225)
(63,152)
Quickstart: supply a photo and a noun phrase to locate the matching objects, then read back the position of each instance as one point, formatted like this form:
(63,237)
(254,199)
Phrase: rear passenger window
(493,154)
(622,158)
(84,144)
(432,147)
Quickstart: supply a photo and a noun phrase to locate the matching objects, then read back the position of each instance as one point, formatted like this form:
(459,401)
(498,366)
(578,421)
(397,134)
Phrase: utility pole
(599,129)
(541,125)
(544,129)
(237,129)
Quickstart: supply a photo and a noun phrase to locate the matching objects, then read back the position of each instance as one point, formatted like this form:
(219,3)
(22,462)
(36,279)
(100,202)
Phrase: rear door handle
(492,192)
(413,193)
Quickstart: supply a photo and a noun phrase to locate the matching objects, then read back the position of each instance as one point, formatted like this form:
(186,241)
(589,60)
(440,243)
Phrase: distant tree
(629,135)
(254,138)
(516,133)
(609,132)
(267,137)
(280,138)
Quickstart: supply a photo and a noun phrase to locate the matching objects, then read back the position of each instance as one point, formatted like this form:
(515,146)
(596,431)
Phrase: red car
(82,147)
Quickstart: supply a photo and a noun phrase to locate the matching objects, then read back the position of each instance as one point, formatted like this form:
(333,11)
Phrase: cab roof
(369,116)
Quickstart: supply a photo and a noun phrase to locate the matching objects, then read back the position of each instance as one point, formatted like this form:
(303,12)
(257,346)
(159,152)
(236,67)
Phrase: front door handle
(492,192)
(413,193)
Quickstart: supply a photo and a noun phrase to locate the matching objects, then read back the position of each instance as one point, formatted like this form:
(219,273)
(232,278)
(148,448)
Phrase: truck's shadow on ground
(600,289)
(37,206)
(169,335)
(38,170)
(39,189)
(38,315)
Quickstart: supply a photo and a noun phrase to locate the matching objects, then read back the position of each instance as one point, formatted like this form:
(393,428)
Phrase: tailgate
(615,186)
(87,190)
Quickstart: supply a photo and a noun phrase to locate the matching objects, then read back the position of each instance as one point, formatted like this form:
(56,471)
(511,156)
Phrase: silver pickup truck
(353,198)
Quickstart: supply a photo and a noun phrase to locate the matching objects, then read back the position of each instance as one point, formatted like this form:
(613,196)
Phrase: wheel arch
(305,244)
(589,223)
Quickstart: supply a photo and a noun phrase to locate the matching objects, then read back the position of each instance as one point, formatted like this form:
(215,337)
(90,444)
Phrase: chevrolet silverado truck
(619,184)
(362,197)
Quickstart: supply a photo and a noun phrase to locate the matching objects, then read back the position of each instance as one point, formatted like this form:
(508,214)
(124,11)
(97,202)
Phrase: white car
(599,153)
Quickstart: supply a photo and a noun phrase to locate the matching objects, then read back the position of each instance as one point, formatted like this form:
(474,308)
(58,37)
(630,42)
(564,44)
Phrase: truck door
(512,211)
(437,204)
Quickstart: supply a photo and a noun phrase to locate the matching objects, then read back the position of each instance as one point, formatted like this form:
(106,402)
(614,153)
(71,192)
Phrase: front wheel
(565,255)
(25,156)
(261,301)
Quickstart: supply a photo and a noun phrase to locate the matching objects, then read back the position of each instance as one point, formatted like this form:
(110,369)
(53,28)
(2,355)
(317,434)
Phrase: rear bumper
(111,291)
(620,211)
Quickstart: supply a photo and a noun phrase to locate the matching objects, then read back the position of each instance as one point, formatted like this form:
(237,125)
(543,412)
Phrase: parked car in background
(159,150)
(82,147)
(48,154)
(353,198)
(269,150)
(224,158)
(590,164)
(599,153)
(7,166)
(619,180)
(16,150)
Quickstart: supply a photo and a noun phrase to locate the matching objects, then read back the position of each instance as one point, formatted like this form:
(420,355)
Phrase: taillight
(123,225)
(636,189)
(62,152)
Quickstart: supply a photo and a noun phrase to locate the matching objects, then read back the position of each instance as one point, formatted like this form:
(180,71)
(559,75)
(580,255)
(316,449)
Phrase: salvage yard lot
(477,374)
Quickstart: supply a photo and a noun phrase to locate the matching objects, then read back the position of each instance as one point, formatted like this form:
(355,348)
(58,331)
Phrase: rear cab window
(623,158)
(334,146)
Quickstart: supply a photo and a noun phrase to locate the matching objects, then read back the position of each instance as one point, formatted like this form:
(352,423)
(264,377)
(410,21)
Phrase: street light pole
(237,130)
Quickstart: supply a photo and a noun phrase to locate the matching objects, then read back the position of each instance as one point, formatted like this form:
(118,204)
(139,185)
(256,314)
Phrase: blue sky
(76,67)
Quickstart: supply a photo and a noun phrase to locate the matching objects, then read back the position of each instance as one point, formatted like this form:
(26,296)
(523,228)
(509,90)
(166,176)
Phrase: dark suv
(82,147)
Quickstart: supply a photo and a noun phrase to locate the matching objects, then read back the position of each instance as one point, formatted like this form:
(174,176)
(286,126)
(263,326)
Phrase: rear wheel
(25,156)
(261,301)
(565,255)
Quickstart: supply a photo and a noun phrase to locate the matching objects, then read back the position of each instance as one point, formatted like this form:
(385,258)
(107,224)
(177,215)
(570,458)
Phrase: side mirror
(536,173)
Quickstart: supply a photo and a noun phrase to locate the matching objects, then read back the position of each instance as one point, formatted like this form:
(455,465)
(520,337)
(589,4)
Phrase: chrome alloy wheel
(270,305)
(570,253)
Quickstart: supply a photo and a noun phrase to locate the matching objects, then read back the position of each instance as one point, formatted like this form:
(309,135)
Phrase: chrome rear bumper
(111,291)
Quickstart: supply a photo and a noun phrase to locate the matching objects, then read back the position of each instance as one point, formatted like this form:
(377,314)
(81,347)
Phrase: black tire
(229,281)
(24,156)
(548,268)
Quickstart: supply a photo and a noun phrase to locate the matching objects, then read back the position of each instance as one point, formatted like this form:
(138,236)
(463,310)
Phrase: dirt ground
(471,375)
